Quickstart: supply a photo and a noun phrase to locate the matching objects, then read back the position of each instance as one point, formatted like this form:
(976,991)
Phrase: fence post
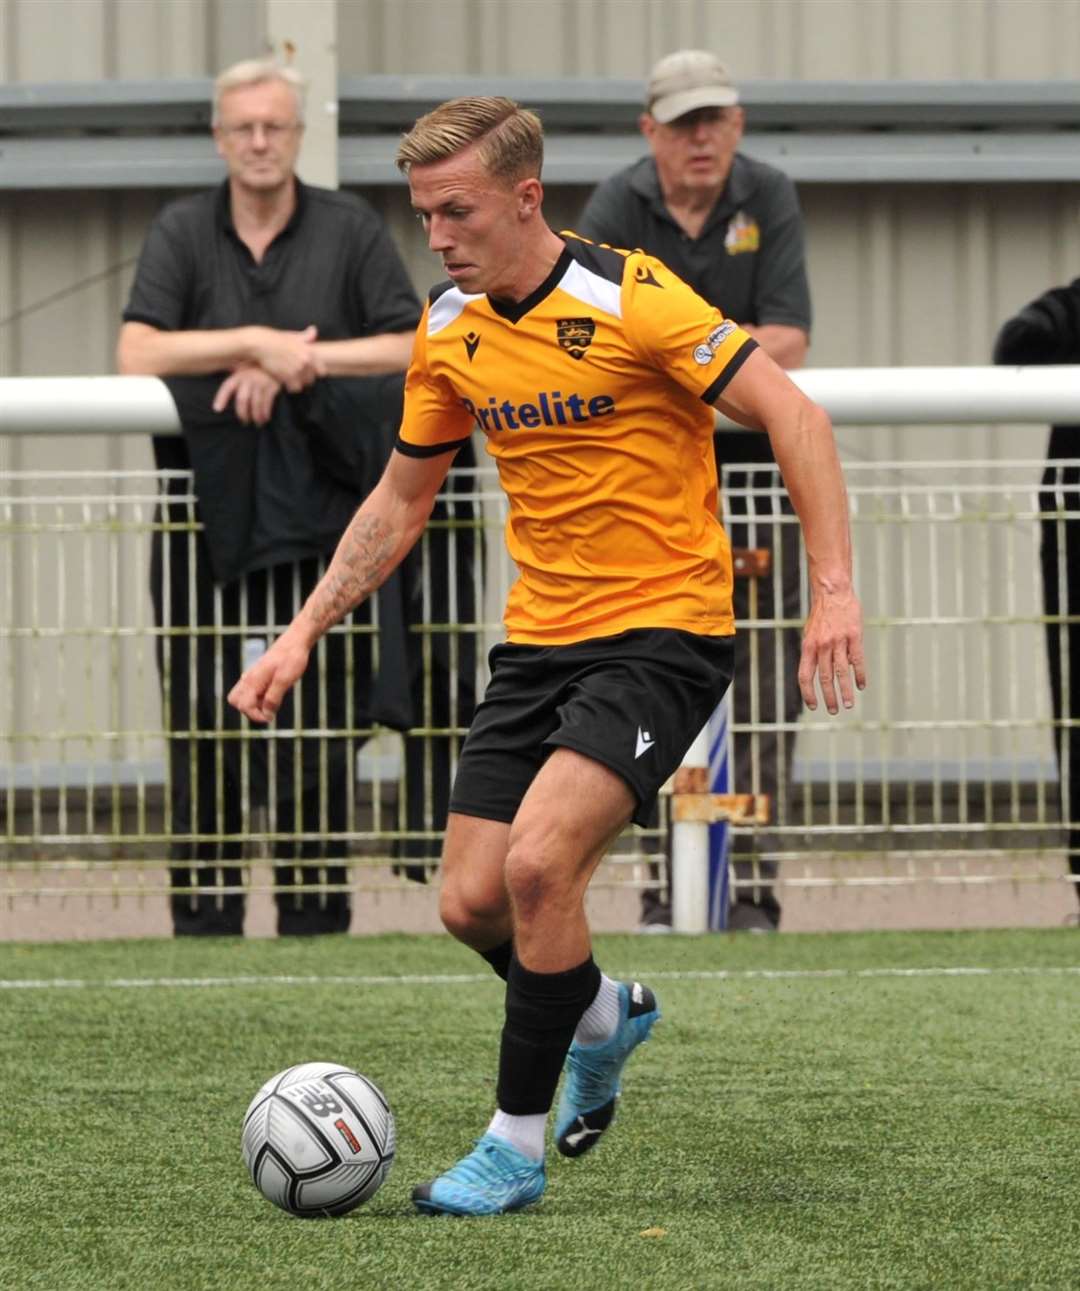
(690,843)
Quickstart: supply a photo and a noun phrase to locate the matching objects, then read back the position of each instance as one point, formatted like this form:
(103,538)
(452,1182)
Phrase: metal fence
(105,749)
(944,774)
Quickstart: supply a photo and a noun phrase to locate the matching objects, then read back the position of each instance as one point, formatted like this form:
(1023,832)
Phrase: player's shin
(542,1013)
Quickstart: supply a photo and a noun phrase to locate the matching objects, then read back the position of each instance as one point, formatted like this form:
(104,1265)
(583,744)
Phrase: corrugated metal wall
(900,274)
(796,39)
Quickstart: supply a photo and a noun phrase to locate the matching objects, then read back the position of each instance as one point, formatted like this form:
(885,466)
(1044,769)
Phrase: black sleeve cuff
(428,450)
(716,389)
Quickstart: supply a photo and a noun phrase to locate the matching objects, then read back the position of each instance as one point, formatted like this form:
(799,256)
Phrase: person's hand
(252,391)
(832,650)
(259,692)
(290,357)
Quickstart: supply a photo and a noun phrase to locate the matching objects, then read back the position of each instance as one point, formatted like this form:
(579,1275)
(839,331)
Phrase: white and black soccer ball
(318,1139)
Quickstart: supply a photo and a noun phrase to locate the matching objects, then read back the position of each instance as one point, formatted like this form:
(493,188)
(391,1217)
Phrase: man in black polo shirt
(244,299)
(731,227)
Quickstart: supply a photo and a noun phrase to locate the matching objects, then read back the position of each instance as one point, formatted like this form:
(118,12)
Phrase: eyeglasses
(272,130)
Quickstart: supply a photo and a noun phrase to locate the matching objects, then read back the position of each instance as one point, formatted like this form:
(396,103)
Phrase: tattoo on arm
(361,564)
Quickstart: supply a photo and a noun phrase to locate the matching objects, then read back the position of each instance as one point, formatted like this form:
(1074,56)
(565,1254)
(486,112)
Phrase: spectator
(731,228)
(245,298)
(1048,331)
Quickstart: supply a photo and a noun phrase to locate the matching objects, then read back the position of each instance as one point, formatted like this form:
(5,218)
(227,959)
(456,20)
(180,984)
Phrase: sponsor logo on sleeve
(644,274)
(706,352)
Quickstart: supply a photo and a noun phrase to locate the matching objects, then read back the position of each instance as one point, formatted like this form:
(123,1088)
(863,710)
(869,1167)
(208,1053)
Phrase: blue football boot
(593,1073)
(494,1177)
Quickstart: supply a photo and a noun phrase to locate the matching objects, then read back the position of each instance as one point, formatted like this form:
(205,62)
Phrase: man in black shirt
(244,299)
(1048,331)
(731,227)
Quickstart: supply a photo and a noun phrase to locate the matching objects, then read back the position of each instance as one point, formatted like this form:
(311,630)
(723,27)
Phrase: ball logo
(318,1100)
(347,1134)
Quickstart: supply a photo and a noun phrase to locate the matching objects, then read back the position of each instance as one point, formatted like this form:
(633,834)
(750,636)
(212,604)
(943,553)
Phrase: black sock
(542,1012)
(499,958)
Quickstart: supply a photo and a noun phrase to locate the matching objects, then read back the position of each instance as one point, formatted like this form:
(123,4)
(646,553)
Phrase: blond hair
(510,138)
(257,71)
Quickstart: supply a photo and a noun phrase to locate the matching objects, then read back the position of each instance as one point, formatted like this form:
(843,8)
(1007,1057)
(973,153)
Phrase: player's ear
(530,195)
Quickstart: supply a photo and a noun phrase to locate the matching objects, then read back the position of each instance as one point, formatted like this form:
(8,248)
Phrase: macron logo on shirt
(549,408)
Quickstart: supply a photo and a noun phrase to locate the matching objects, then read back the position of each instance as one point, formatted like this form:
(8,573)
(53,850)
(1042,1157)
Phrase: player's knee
(468,910)
(535,879)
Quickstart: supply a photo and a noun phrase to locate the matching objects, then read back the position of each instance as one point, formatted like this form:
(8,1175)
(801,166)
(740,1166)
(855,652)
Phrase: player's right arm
(378,538)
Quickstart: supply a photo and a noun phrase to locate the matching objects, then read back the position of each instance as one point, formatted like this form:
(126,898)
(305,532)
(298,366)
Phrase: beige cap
(687,80)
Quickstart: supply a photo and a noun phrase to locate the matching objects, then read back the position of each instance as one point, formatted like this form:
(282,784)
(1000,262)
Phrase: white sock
(526,1133)
(601,1019)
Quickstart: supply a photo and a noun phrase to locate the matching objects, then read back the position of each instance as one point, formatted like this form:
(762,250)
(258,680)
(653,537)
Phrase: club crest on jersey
(575,335)
(704,354)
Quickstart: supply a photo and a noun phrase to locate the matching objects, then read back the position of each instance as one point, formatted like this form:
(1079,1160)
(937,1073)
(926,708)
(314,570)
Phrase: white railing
(852,397)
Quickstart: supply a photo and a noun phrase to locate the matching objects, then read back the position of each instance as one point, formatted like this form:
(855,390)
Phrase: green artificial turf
(807,1121)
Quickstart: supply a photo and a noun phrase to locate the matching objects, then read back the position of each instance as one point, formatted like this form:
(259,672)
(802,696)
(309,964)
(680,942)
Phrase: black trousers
(1060,560)
(217,774)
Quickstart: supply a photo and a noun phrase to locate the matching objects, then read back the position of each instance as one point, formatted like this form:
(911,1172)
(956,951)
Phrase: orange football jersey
(594,395)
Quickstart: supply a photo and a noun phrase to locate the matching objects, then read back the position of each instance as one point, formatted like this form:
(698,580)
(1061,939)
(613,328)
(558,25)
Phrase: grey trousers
(765,689)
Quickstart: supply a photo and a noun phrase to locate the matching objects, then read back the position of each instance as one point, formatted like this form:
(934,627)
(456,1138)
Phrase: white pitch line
(457,979)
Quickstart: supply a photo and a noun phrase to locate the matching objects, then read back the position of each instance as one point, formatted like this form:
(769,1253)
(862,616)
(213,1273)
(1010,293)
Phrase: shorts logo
(645,741)
(704,354)
(575,335)
(472,341)
(645,275)
(347,1134)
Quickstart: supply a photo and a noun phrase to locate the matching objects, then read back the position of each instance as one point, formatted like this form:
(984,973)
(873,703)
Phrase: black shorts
(633,702)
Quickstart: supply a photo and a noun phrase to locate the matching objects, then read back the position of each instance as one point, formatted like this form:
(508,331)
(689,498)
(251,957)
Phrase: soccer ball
(318,1139)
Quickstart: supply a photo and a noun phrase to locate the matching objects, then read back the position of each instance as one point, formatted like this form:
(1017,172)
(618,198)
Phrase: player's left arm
(762,397)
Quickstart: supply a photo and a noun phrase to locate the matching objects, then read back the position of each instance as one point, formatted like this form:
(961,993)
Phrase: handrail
(390,101)
(96,405)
